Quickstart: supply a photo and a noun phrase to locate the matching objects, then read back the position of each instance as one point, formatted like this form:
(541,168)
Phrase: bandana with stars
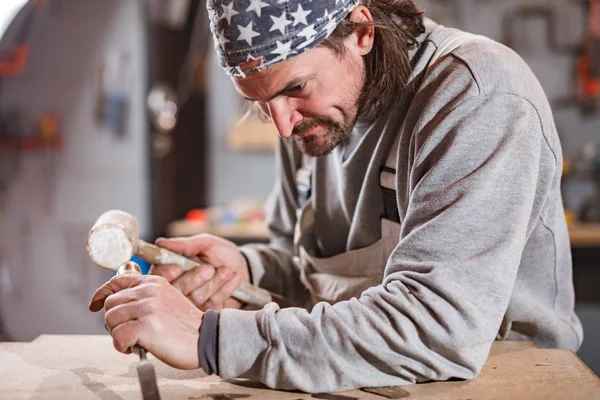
(271,30)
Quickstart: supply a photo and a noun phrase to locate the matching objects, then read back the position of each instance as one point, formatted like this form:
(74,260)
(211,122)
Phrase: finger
(218,301)
(127,312)
(126,335)
(203,294)
(169,272)
(188,246)
(232,303)
(194,279)
(116,284)
(144,291)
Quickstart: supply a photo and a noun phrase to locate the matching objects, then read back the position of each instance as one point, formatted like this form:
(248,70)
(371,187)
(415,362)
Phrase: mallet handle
(246,293)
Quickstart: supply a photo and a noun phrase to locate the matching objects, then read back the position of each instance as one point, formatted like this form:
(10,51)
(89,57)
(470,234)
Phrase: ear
(365,36)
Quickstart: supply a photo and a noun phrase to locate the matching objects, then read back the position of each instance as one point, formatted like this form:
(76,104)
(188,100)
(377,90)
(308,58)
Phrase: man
(425,223)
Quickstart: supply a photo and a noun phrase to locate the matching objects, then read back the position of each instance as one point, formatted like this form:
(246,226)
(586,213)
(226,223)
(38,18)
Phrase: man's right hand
(211,285)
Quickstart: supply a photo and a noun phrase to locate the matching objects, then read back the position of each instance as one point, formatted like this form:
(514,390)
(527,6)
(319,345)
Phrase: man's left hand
(149,312)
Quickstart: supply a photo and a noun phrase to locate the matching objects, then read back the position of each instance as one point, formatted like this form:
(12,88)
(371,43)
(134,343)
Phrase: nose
(284,115)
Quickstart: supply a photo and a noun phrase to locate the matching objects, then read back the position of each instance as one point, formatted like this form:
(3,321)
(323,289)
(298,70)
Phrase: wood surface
(88,367)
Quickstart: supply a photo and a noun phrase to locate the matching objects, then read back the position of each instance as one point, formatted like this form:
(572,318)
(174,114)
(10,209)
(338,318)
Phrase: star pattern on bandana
(300,15)
(271,30)
(247,33)
(280,23)
(283,50)
(257,6)
(228,12)
(222,39)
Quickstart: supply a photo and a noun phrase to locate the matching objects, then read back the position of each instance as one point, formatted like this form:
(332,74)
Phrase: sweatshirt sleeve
(272,266)
(477,185)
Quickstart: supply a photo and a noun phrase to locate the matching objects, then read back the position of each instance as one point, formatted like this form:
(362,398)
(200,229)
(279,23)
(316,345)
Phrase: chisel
(144,369)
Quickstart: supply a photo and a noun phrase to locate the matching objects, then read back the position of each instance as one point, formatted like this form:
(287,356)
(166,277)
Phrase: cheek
(314,106)
(336,104)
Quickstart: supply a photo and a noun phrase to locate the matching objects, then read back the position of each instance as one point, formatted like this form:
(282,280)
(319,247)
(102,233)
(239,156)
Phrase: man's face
(313,97)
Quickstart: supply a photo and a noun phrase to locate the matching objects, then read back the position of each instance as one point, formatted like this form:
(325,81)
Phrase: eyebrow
(287,88)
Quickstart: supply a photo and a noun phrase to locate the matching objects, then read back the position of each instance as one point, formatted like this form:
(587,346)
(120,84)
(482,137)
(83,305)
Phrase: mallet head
(113,239)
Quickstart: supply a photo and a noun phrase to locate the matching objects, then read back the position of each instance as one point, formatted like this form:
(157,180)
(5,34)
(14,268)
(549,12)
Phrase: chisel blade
(147,377)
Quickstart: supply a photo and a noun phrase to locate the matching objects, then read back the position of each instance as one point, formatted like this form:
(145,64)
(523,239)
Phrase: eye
(297,88)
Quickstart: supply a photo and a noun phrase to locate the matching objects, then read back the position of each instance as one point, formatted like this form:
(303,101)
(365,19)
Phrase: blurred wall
(46,279)
(233,175)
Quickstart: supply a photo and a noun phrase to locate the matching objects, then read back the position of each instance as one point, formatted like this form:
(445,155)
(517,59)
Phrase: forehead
(270,80)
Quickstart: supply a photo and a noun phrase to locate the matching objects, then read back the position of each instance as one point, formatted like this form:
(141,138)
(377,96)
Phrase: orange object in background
(48,126)
(197,216)
(570,217)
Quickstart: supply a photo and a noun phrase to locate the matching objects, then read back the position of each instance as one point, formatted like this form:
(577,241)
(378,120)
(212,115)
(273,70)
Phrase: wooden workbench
(88,367)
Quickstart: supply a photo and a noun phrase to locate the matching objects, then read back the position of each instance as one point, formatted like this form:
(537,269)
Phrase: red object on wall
(30,144)
(13,59)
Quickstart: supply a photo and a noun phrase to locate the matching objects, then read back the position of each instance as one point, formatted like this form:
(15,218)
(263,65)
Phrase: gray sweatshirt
(483,253)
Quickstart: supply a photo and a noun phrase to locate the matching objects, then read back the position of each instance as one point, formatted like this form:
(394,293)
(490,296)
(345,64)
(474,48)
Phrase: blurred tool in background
(588,64)
(241,221)
(113,92)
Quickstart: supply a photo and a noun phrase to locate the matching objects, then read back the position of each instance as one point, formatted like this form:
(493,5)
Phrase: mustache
(304,127)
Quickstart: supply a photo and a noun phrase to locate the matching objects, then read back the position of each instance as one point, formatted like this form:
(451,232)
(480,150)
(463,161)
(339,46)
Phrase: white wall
(46,279)
(233,175)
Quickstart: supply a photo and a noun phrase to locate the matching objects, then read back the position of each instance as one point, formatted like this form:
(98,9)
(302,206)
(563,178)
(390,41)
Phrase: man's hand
(211,285)
(148,311)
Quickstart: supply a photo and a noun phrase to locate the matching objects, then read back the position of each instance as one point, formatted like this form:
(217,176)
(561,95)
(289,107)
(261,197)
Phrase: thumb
(115,285)
(187,246)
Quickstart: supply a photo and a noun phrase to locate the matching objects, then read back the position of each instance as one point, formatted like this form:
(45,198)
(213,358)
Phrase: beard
(333,133)
(319,145)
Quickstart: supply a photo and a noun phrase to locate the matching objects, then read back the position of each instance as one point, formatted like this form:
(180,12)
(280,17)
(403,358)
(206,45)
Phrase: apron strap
(387,180)
(387,177)
(304,181)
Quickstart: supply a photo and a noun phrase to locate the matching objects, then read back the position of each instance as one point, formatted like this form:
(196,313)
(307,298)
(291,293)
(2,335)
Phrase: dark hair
(397,24)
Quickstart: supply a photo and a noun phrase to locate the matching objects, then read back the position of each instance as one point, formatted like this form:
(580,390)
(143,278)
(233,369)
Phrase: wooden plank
(88,367)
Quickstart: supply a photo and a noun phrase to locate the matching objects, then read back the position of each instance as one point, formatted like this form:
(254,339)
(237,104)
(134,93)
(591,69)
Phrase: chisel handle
(246,293)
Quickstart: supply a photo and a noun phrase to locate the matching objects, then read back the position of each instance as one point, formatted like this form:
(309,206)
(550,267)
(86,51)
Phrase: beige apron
(347,275)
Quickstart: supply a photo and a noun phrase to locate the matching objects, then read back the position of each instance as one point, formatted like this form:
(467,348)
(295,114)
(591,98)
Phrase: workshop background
(121,104)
